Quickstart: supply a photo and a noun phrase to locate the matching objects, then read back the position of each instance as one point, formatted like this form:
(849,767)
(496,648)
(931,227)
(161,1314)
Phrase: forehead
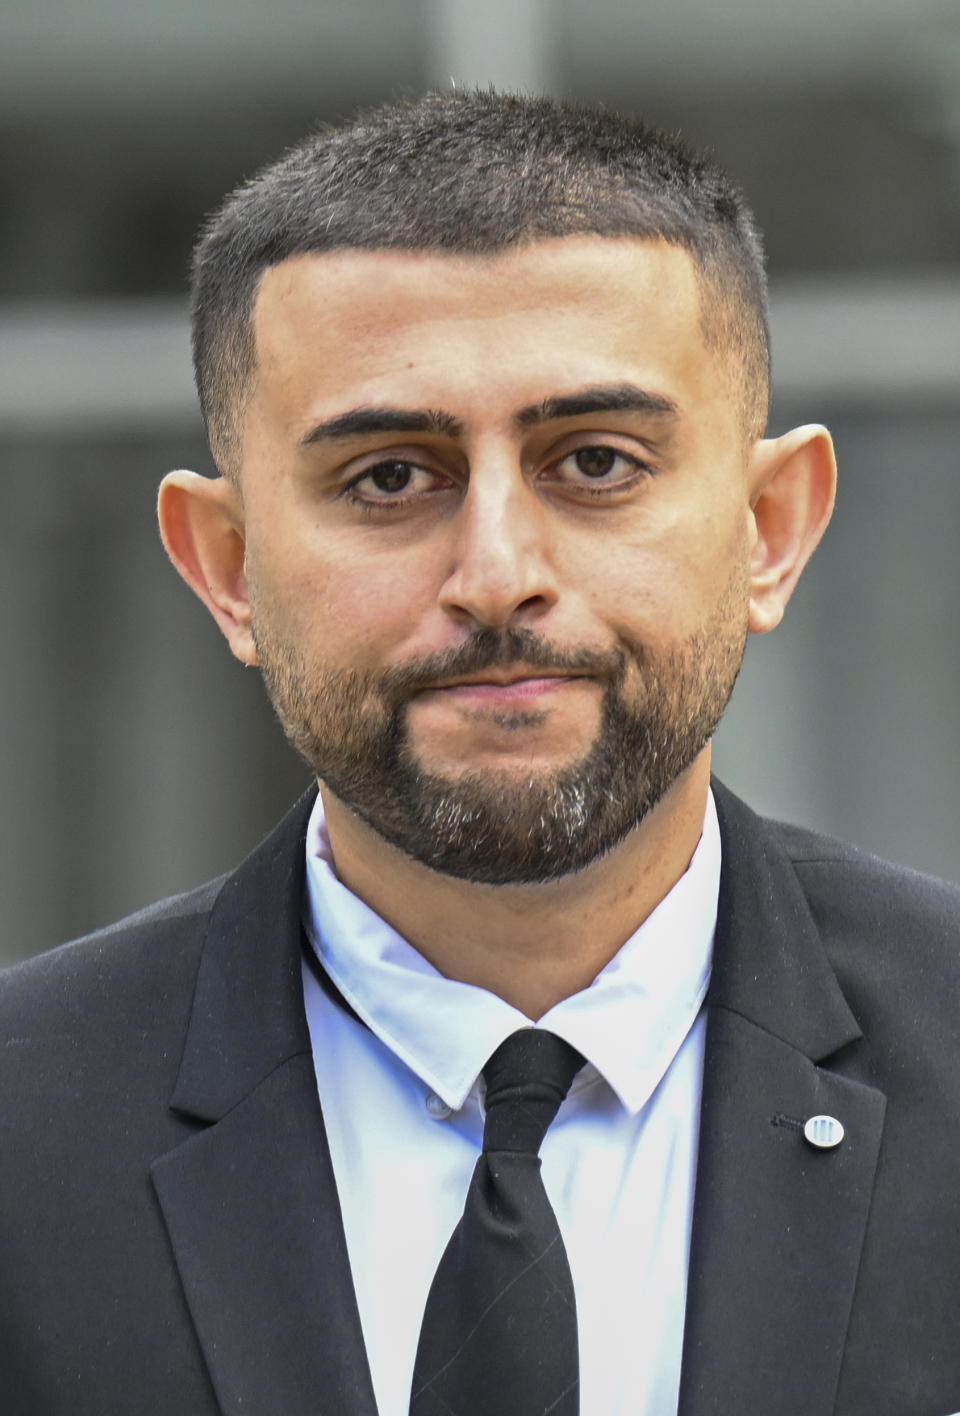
(351,327)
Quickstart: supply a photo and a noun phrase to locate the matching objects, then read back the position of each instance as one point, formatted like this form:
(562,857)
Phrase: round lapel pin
(824,1132)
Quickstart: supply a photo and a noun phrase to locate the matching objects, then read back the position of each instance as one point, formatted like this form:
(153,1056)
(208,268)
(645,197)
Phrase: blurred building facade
(137,758)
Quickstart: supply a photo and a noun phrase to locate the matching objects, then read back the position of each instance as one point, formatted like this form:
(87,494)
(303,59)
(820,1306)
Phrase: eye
(395,479)
(598,465)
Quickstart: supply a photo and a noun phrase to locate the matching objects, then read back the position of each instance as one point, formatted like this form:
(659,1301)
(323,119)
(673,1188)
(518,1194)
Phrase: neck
(532,945)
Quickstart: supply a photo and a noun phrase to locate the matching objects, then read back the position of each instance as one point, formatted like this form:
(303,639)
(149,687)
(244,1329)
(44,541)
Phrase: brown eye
(394,483)
(391,476)
(598,468)
(595,461)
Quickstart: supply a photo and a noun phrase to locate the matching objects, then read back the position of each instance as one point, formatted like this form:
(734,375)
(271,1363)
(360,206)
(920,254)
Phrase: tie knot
(526,1078)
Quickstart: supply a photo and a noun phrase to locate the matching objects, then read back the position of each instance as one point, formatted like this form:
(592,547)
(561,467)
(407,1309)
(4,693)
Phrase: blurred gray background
(137,758)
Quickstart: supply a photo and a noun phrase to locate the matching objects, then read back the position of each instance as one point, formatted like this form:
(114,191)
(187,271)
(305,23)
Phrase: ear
(792,485)
(202,528)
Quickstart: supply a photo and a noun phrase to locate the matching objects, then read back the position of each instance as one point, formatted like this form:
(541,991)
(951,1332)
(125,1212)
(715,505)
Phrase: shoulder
(162,943)
(128,986)
(838,879)
(891,935)
(138,940)
(126,991)
(845,884)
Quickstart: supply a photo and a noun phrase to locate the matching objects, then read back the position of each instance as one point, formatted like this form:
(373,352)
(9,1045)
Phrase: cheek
(292,598)
(659,590)
(335,610)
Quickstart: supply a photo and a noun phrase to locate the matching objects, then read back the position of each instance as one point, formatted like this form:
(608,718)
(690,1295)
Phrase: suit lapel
(250,1200)
(778,1225)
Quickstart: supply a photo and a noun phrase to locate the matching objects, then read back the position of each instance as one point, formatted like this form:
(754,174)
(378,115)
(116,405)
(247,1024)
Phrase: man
(485,379)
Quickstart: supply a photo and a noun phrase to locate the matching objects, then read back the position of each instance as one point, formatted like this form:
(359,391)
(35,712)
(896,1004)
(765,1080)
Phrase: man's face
(497,533)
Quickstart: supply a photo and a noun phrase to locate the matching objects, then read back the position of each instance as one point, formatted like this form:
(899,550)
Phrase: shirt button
(437,1107)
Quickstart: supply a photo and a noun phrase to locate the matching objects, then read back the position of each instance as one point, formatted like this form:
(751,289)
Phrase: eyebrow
(615,398)
(361,422)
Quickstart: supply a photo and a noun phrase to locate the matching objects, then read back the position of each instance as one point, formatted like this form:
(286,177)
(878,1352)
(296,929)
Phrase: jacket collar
(248,1015)
(770,964)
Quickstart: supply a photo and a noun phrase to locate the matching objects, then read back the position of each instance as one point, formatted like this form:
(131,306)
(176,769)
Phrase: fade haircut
(473,173)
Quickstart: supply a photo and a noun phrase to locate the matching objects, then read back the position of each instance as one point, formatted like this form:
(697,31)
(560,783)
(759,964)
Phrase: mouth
(514,684)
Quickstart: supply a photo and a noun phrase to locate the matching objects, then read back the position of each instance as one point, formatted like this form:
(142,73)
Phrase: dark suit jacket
(170,1234)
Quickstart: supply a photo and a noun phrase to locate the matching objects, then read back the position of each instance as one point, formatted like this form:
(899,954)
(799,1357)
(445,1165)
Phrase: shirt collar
(629,1024)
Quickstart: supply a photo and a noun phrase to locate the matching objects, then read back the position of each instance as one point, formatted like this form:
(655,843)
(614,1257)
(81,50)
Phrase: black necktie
(499,1334)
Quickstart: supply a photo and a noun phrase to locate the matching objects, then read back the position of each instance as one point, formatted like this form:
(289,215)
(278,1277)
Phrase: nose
(504,568)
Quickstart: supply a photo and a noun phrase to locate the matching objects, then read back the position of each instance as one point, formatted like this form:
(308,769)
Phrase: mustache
(498,649)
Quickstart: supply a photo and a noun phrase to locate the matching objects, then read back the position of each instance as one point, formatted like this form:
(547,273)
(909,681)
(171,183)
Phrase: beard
(501,827)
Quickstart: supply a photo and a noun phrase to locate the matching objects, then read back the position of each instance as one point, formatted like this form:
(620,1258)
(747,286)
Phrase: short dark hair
(475,172)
